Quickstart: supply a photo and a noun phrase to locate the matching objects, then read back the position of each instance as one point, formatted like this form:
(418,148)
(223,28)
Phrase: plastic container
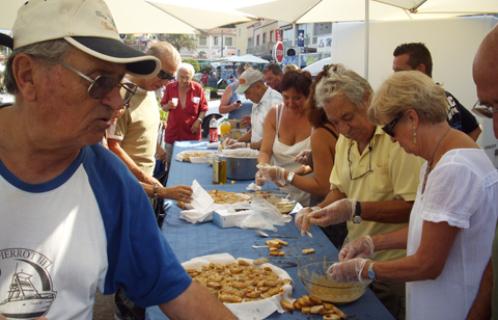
(213,130)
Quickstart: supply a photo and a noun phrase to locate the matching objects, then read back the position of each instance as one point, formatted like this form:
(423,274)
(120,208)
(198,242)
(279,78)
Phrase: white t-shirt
(259,112)
(462,190)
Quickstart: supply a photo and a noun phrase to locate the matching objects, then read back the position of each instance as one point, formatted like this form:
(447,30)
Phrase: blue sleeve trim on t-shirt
(140,259)
(46,186)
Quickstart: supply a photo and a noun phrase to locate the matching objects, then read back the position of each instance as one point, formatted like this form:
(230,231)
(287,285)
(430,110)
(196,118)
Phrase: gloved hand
(348,271)
(259,178)
(230,143)
(304,157)
(360,248)
(302,219)
(273,173)
(337,212)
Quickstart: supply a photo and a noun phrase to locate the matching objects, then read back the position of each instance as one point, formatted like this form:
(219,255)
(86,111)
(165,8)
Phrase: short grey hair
(51,51)
(405,90)
(187,67)
(338,80)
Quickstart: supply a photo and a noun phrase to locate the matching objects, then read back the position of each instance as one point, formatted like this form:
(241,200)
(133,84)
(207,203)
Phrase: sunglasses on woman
(103,84)
(164,75)
(484,110)
(389,127)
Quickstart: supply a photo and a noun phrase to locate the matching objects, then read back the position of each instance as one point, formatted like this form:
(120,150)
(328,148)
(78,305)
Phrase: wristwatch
(371,272)
(357,212)
(290,177)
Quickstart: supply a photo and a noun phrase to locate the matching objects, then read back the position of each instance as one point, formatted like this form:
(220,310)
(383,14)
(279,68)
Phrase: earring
(414,136)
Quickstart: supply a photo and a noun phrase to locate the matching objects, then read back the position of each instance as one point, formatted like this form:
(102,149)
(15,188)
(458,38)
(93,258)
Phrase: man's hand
(196,126)
(179,193)
(360,248)
(348,271)
(337,212)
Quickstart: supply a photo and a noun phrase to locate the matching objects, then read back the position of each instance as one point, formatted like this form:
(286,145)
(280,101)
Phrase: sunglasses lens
(483,111)
(163,75)
(101,86)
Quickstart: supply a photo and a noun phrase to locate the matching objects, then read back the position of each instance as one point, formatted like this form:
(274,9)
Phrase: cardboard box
(226,218)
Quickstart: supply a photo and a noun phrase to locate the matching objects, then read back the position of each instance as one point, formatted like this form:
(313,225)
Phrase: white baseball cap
(87,25)
(248,78)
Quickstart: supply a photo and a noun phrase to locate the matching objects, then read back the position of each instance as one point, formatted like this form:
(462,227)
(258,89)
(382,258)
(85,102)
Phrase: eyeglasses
(103,84)
(350,163)
(484,110)
(389,127)
(164,75)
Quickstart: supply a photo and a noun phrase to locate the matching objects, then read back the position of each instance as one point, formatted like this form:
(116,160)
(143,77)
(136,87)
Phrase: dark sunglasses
(164,75)
(389,127)
(103,84)
(484,110)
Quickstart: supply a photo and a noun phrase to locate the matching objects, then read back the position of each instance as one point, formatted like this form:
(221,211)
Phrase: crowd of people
(394,178)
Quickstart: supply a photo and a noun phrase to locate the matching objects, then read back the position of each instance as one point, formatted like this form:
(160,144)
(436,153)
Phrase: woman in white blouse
(452,222)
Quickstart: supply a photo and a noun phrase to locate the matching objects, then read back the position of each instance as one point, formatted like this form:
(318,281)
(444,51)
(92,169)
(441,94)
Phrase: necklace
(428,169)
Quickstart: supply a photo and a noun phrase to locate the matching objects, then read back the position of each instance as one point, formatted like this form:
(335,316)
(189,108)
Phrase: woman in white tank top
(287,132)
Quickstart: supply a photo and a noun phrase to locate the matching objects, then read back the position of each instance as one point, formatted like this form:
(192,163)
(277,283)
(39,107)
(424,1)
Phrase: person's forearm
(245,138)
(196,303)
(319,186)
(128,161)
(392,240)
(332,196)
(390,211)
(264,157)
(201,116)
(481,308)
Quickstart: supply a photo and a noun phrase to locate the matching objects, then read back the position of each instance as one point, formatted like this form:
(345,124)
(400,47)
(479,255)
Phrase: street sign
(278,52)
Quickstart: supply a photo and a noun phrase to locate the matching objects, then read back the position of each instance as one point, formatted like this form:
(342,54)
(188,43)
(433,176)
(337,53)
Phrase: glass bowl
(313,276)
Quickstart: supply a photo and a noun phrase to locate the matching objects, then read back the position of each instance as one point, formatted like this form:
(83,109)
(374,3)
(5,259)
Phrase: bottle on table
(213,130)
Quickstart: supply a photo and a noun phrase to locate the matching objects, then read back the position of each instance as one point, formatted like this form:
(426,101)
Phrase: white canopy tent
(203,15)
(130,16)
(367,10)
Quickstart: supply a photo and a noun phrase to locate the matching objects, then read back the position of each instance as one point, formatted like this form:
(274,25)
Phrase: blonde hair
(338,80)
(409,90)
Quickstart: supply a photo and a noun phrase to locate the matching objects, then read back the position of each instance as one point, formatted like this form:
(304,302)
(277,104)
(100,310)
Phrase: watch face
(356,219)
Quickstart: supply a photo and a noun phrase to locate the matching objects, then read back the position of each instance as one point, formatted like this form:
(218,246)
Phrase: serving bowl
(314,277)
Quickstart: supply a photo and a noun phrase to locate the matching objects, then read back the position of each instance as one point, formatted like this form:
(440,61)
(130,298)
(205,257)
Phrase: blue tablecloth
(189,241)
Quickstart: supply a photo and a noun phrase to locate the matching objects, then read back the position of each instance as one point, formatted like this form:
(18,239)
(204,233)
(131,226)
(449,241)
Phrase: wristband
(290,177)
(200,119)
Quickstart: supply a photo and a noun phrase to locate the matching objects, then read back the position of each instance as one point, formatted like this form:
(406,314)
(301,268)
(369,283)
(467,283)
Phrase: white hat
(247,78)
(86,24)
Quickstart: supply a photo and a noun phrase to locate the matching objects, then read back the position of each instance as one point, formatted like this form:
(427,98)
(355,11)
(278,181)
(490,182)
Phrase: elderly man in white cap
(251,83)
(73,218)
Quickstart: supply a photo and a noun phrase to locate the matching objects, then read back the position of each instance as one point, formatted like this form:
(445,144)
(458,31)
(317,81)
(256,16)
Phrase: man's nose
(114,99)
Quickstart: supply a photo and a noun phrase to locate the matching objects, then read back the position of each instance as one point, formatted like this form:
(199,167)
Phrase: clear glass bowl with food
(314,277)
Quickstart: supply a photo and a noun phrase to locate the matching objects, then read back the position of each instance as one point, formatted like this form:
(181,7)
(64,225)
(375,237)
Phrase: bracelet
(200,119)
(155,188)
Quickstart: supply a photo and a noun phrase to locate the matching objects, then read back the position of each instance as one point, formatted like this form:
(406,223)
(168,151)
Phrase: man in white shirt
(251,83)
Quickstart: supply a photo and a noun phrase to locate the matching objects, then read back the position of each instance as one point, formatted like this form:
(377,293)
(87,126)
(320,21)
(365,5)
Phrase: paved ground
(104,307)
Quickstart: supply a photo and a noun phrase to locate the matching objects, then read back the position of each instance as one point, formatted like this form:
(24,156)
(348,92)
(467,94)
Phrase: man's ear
(23,73)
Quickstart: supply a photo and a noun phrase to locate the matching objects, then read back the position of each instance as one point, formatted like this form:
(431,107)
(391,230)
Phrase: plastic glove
(336,212)
(304,157)
(259,178)
(302,219)
(360,248)
(234,144)
(273,173)
(348,271)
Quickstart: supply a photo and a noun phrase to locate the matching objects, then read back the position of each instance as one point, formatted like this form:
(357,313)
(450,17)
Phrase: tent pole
(367,36)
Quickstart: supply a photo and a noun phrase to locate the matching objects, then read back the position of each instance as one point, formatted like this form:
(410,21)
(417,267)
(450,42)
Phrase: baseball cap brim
(242,88)
(6,41)
(113,50)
